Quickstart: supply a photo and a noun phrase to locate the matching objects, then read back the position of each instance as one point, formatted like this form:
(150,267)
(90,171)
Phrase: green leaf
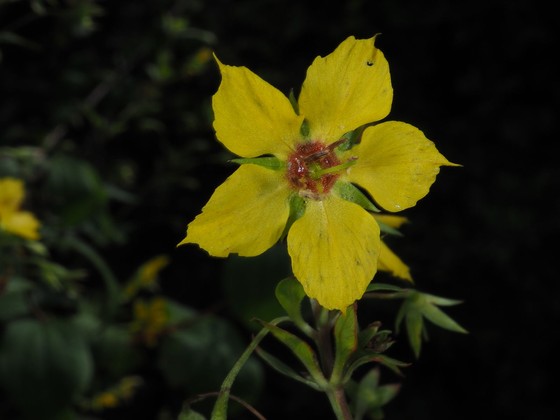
(290,294)
(440,301)
(350,192)
(346,341)
(370,397)
(385,228)
(383,287)
(301,350)
(369,356)
(438,317)
(269,162)
(44,366)
(418,306)
(284,369)
(414,326)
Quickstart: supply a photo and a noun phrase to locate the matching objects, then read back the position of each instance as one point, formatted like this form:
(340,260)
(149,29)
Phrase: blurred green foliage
(105,116)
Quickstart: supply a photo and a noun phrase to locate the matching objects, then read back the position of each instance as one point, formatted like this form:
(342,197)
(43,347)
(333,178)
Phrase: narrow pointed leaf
(383,287)
(284,369)
(385,228)
(414,326)
(368,356)
(269,162)
(352,193)
(440,301)
(438,317)
(301,350)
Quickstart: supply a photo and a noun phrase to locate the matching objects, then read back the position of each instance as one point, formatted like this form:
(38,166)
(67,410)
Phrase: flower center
(314,168)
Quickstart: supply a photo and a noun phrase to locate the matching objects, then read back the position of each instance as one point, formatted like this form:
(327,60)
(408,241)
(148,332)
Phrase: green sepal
(351,139)
(367,334)
(346,341)
(297,208)
(418,306)
(350,192)
(304,129)
(293,101)
(301,350)
(370,396)
(269,162)
(290,294)
(284,369)
(385,228)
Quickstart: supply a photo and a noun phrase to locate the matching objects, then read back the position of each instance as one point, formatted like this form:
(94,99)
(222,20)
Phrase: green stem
(339,404)
(323,340)
(220,408)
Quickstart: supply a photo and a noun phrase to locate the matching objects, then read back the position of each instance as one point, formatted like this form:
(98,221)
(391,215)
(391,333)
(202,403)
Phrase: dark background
(477,77)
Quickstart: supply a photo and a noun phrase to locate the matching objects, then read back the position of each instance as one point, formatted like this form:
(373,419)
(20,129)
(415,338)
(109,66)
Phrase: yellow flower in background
(146,276)
(301,153)
(12,219)
(151,319)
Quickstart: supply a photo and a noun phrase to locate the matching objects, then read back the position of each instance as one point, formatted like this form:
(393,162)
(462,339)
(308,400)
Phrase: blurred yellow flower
(334,243)
(150,320)
(12,219)
(146,276)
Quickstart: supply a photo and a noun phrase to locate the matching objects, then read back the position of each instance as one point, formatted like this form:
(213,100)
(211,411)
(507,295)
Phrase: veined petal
(396,164)
(21,223)
(346,89)
(389,261)
(334,248)
(251,117)
(245,215)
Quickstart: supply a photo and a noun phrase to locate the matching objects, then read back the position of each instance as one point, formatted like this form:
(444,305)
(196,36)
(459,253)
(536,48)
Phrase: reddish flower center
(305,167)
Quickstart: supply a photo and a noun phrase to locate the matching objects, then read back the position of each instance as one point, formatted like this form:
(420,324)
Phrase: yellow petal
(245,215)
(21,223)
(396,164)
(334,248)
(11,194)
(251,117)
(346,89)
(388,261)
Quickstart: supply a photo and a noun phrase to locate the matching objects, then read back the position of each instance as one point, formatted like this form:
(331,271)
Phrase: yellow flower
(21,223)
(334,243)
